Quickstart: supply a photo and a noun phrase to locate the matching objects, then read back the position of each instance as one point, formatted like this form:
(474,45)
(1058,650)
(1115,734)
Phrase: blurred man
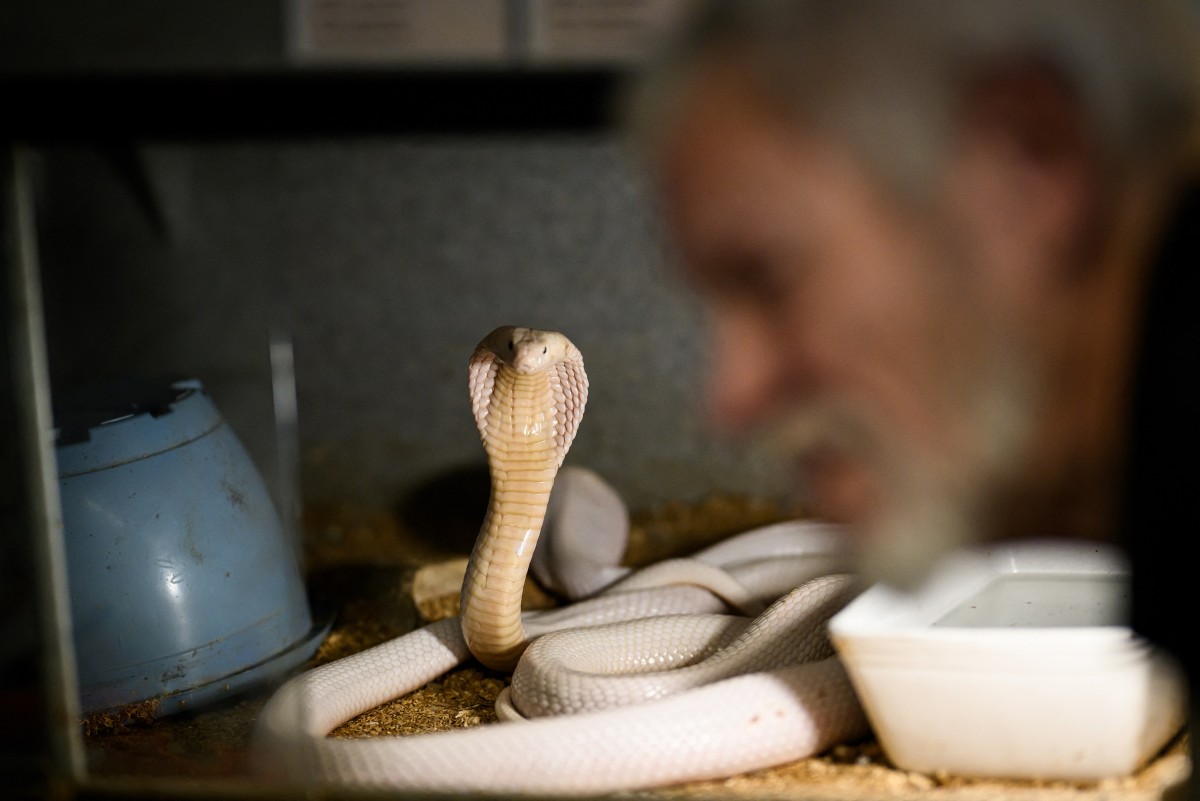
(946,249)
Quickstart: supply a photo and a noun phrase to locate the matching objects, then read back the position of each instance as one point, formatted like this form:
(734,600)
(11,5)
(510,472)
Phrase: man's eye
(754,279)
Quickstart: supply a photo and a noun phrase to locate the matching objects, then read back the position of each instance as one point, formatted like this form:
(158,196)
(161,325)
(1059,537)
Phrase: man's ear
(1031,161)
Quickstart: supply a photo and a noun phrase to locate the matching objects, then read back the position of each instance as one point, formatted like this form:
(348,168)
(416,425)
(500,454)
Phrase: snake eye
(543,349)
(510,344)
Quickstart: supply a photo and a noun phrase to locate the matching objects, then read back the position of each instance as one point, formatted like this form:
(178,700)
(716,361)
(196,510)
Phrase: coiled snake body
(697,692)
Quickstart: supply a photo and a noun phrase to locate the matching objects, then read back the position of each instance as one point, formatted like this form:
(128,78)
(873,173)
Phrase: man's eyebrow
(738,272)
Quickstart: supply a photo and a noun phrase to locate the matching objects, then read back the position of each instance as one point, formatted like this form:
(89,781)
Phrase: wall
(384,261)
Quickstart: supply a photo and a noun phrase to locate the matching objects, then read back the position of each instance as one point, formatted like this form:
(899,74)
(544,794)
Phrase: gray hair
(887,76)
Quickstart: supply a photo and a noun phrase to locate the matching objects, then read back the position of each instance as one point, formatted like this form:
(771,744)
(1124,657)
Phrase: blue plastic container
(184,585)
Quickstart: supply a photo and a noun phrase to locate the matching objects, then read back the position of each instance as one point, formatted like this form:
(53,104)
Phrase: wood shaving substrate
(849,772)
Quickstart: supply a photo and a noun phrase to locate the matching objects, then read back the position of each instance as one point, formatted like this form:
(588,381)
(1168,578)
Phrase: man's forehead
(734,168)
(718,116)
(728,132)
(722,146)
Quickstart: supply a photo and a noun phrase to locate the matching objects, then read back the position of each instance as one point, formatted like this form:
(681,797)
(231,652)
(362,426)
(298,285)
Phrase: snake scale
(689,669)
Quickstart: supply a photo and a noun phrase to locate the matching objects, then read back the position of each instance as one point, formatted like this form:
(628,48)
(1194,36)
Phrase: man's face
(849,328)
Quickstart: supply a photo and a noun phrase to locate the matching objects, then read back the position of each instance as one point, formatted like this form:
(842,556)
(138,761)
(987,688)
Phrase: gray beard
(929,506)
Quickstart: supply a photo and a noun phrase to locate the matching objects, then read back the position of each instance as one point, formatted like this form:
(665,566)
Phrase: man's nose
(743,375)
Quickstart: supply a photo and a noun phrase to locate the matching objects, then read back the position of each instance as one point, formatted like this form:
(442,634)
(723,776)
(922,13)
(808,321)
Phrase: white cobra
(650,682)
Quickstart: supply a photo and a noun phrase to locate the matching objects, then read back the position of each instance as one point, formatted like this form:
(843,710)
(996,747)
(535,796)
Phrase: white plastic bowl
(1012,662)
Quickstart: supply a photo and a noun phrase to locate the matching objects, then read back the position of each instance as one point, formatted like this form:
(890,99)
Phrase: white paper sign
(599,31)
(409,31)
